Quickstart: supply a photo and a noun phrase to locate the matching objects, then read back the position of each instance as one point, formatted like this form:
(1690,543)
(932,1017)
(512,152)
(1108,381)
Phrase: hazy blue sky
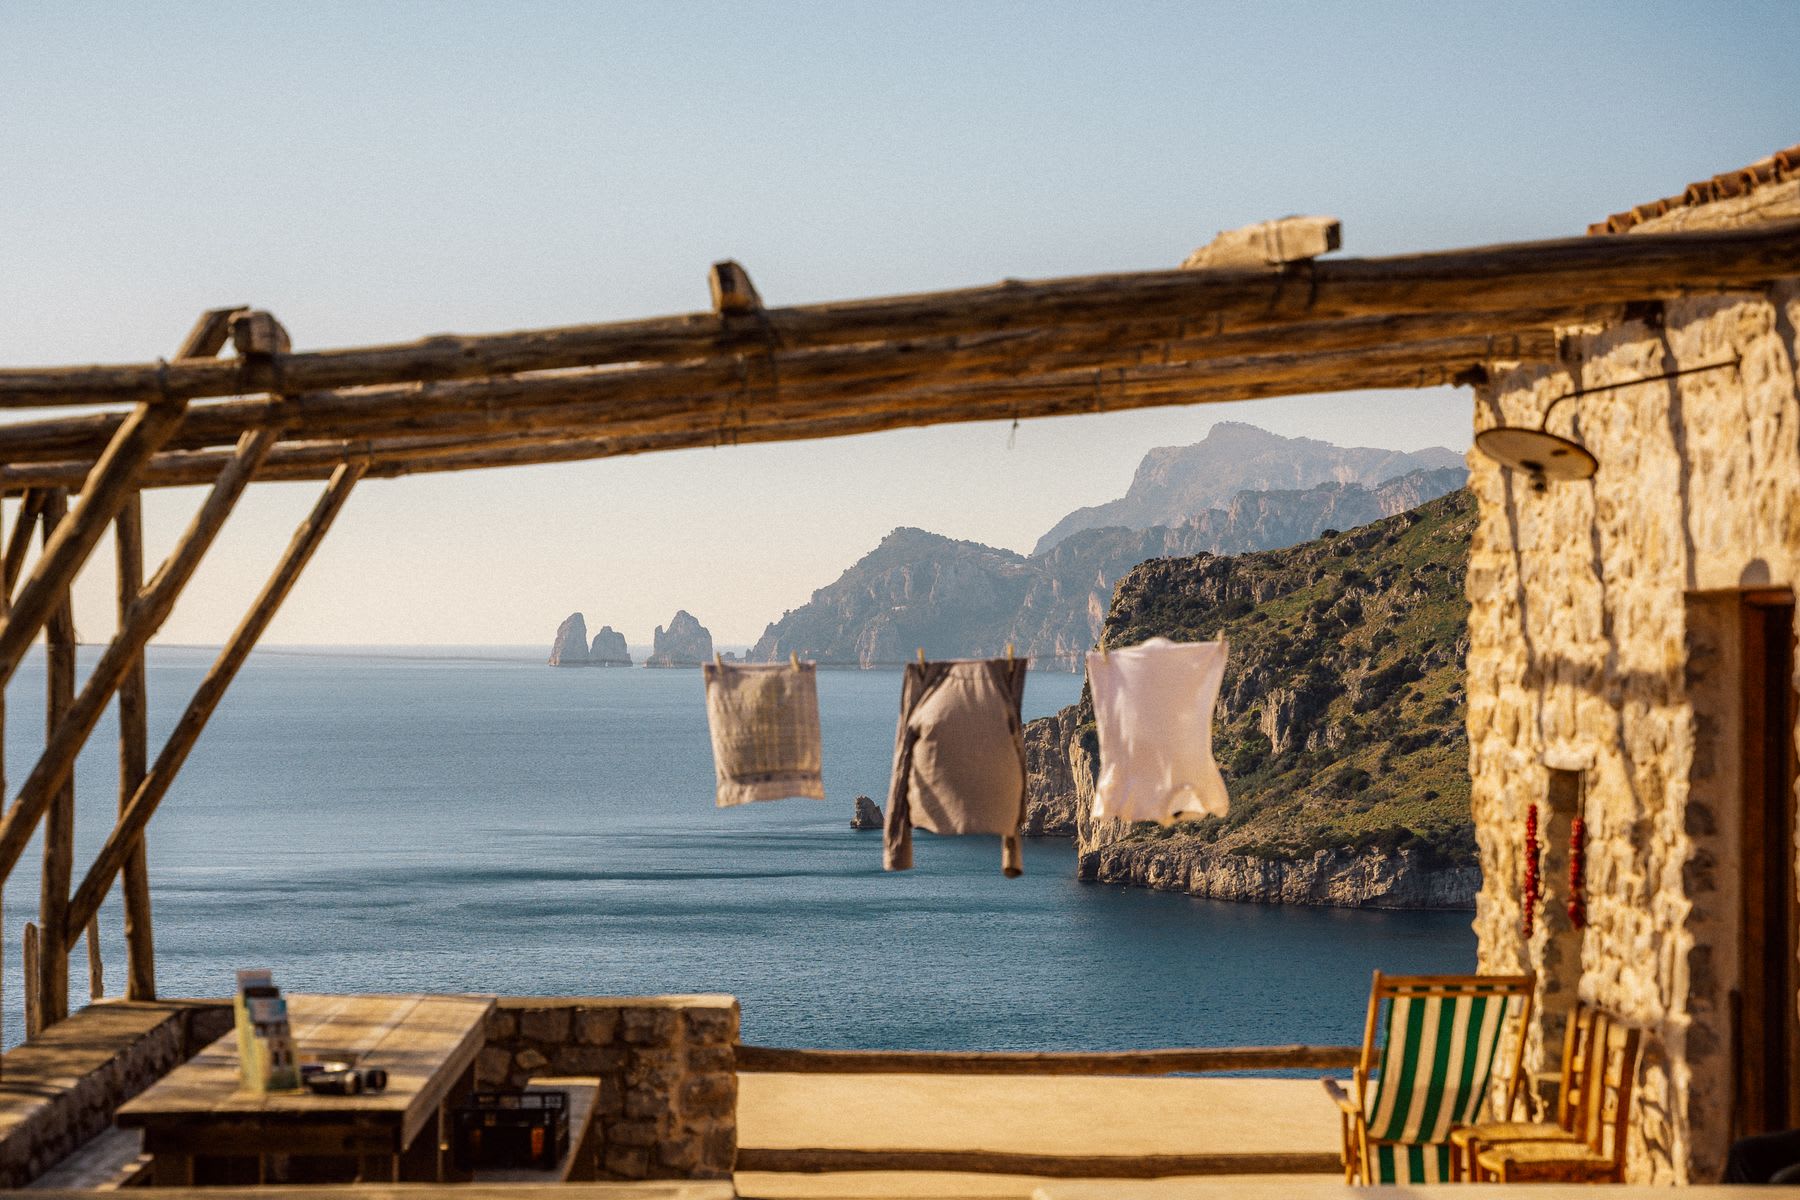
(373,172)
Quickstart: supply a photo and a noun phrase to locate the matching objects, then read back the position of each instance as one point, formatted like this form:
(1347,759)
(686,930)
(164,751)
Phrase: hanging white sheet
(1153,706)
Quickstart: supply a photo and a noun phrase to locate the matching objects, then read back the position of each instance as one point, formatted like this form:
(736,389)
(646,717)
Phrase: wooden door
(1768,1032)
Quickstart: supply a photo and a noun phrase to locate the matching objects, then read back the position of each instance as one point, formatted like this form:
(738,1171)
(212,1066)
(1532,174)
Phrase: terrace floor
(1285,1131)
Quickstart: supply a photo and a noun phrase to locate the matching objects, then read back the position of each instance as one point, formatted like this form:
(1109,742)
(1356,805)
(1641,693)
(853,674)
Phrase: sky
(377,172)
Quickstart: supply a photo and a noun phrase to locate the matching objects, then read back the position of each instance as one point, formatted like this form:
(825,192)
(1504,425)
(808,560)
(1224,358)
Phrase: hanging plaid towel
(765,731)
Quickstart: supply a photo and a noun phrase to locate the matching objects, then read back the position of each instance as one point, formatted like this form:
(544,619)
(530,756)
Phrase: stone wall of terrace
(667,1106)
(1601,683)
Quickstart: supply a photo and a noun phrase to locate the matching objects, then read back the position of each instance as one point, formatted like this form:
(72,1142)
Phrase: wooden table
(202,1127)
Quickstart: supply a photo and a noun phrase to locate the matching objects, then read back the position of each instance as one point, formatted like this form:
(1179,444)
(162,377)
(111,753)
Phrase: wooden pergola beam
(145,616)
(1572,271)
(616,394)
(800,413)
(169,761)
(108,487)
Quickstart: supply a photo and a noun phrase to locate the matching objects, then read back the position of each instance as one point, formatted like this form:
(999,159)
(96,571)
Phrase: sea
(470,819)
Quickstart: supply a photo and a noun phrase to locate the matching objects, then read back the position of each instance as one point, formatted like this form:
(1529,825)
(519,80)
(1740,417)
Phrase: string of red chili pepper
(1531,868)
(1577,865)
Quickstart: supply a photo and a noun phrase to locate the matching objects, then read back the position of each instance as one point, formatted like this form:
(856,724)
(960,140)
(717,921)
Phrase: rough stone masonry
(1600,678)
(667,1106)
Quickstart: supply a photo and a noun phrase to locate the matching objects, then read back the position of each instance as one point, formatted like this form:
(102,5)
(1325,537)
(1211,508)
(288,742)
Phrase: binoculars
(341,1079)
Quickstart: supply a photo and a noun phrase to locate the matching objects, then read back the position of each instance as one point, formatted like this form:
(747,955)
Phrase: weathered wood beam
(108,487)
(57,798)
(778,1059)
(732,292)
(1574,271)
(1269,244)
(146,615)
(134,761)
(717,418)
(619,394)
(155,786)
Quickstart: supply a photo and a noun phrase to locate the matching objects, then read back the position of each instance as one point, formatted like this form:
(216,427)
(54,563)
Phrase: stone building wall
(667,1107)
(1600,648)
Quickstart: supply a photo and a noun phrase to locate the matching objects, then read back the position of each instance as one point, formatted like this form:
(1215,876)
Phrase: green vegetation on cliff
(1340,724)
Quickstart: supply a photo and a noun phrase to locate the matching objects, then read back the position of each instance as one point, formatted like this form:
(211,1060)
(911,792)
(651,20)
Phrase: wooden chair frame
(1469,1140)
(1599,1157)
(1353,1108)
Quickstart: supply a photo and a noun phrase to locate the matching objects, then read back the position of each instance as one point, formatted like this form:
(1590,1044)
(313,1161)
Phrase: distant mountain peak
(1175,484)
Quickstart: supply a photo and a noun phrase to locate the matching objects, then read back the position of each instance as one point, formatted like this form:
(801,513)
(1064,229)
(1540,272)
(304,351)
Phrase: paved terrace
(1271,1127)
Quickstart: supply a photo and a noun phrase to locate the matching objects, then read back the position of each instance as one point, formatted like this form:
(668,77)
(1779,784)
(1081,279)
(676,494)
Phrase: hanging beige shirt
(765,731)
(959,757)
(1153,709)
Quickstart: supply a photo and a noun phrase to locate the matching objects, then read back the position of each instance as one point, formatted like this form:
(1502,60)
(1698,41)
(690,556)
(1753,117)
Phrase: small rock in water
(867,815)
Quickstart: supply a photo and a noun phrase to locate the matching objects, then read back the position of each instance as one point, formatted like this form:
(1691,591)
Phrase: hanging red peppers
(1530,899)
(1577,866)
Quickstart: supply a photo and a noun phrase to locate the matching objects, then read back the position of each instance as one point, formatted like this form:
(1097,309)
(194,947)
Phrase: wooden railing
(818,1160)
(1199,1060)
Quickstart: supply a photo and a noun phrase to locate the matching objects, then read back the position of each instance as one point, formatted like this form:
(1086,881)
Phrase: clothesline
(960,762)
(1065,656)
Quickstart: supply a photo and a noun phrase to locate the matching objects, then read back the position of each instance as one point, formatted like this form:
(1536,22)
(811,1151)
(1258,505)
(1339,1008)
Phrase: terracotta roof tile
(1784,164)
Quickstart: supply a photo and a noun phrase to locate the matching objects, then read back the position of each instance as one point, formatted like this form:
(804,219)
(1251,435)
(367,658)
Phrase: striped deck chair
(1438,1046)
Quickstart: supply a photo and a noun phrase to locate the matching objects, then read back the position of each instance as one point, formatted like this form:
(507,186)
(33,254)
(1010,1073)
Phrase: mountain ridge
(1174,483)
(952,598)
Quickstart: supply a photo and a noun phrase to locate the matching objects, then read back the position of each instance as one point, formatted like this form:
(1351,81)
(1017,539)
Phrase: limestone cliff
(963,599)
(609,649)
(686,643)
(1339,729)
(570,649)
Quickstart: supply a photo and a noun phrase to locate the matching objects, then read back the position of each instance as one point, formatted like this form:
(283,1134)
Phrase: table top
(423,1042)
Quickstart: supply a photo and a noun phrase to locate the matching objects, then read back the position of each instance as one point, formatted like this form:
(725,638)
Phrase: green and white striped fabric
(1437,1059)
(1411,1164)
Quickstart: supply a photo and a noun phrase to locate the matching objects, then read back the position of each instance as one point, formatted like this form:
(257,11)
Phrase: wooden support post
(141,622)
(34,1021)
(109,485)
(134,760)
(206,698)
(59,797)
(96,970)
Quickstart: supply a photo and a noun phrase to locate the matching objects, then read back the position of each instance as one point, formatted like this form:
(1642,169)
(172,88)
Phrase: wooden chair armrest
(1345,1102)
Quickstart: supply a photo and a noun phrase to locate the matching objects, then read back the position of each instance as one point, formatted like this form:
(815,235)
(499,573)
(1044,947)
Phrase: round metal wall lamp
(1543,456)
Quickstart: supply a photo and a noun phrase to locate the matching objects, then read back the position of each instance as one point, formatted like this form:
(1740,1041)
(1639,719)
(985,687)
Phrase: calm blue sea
(472,820)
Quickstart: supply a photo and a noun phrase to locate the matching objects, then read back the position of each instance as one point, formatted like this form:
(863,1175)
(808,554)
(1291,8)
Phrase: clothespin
(1009,657)
(921,656)
(794,659)
(718,660)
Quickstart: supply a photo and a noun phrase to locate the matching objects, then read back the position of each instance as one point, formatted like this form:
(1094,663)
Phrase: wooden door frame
(1767,998)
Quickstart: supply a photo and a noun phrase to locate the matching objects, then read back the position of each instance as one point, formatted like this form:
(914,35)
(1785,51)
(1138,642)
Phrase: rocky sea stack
(685,643)
(609,649)
(867,814)
(570,649)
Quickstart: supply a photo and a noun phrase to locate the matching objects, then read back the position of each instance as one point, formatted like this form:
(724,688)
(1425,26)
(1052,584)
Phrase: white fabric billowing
(1153,706)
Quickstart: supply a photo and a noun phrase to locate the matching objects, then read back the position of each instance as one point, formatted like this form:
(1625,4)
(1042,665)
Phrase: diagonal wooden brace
(109,485)
(155,786)
(141,622)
